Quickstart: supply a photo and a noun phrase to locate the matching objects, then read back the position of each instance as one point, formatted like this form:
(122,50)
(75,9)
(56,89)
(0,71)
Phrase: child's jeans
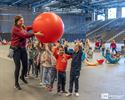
(47,75)
(53,76)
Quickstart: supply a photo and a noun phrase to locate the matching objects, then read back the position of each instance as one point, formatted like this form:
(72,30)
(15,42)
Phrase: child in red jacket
(61,64)
(113,46)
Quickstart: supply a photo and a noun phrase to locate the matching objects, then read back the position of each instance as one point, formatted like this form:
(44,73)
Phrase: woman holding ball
(18,45)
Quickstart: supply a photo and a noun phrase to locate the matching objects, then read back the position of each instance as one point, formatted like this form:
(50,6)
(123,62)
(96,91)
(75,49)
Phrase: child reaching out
(75,70)
(61,64)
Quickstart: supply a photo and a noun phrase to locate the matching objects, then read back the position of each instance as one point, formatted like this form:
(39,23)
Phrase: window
(111,13)
(123,11)
(101,17)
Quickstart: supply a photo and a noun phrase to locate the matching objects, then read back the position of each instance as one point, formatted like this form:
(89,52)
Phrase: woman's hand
(39,33)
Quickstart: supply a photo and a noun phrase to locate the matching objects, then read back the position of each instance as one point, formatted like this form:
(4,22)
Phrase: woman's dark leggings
(20,56)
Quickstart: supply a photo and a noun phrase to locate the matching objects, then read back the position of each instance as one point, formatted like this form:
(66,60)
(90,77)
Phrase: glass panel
(111,13)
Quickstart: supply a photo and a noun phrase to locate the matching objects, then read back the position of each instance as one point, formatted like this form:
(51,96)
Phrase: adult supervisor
(18,44)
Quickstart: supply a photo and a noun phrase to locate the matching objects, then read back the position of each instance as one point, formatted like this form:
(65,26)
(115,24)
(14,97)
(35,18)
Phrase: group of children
(50,62)
(101,45)
(112,56)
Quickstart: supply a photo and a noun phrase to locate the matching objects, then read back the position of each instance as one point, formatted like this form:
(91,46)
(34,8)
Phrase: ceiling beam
(105,2)
(40,2)
(16,2)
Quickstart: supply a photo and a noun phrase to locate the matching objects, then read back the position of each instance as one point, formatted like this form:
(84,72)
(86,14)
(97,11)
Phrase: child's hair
(61,47)
(90,48)
(107,50)
(79,46)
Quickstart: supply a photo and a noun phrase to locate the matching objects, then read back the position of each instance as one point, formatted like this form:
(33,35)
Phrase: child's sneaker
(41,84)
(77,94)
(59,93)
(64,92)
(27,76)
(36,77)
(50,89)
(68,94)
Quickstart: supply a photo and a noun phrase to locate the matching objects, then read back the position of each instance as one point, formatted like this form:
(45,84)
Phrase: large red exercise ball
(51,25)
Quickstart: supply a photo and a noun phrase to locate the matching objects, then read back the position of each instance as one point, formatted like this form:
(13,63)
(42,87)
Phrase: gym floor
(96,83)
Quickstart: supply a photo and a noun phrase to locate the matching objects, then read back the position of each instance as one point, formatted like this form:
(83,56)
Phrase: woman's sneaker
(23,79)
(18,87)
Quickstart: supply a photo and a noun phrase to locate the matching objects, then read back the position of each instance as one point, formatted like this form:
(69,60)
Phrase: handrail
(123,31)
(99,28)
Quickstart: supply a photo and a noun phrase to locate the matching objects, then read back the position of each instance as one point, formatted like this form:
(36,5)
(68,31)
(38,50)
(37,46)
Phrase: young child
(103,48)
(97,45)
(113,46)
(87,45)
(90,53)
(41,62)
(109,57)
(54,71)
(36,59)
(30,50)
(75,70)
(61,64)
(48,61)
